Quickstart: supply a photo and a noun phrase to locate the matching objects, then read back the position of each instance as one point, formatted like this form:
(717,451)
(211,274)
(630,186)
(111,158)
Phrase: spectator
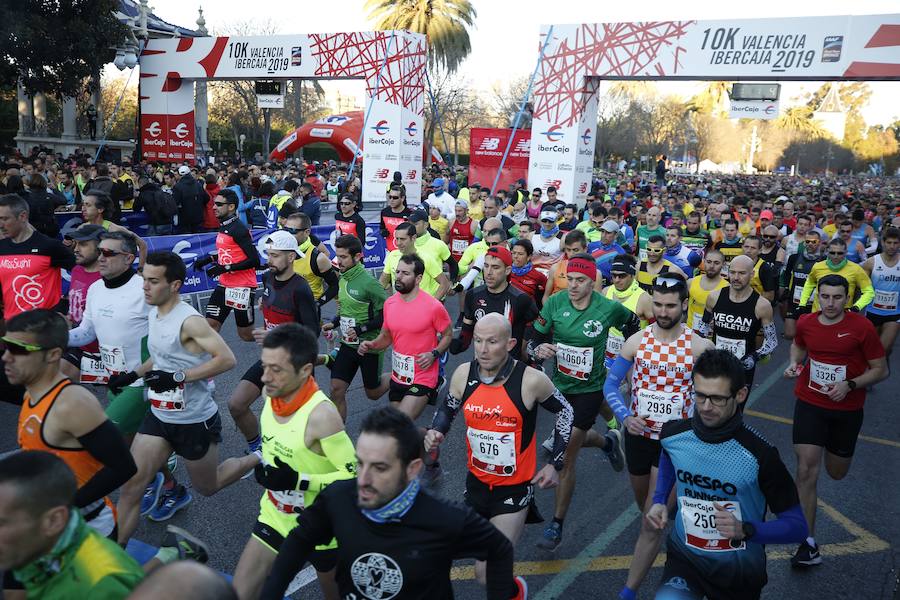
(159,206)
(312,205)
(41,206)
(187,193)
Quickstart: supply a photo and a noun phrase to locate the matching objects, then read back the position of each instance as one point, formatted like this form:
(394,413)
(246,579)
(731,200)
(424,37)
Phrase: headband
(584,266)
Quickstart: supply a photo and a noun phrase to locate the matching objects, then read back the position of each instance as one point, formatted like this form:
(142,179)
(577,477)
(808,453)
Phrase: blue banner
(134,221)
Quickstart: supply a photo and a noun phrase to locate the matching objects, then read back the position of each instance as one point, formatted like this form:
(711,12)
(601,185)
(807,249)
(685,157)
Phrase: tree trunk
(267,130)
(455,150)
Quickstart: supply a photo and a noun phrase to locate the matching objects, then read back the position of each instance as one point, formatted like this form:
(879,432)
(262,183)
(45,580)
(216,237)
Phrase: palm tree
(800,119)
(443,22)
(711,100)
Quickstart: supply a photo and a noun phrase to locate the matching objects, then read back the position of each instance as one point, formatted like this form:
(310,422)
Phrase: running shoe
(172,463)
(806,556)
(170,503)
(151,494)
(552,537)
(615,454)
(522,588)
(188,546)
(430,474)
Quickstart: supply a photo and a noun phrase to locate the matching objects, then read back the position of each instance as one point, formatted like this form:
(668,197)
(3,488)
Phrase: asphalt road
(858,517)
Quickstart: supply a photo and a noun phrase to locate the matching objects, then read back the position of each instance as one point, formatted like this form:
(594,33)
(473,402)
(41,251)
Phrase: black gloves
(160,381)
(121,380)
(278,477)
(202,262)
(215,271)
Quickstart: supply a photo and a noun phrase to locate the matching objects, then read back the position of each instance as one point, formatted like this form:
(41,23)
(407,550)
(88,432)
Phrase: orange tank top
(559,279)
(31,435)
(500,441)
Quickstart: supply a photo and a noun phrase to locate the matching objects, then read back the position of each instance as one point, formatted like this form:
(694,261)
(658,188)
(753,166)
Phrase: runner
(716,548)
(574,243)
(286,298)
(771,251)
(730,245)
(419,329)
(360,316)
(651,229)
(496,296)
(794,277)
(884,269)
(606,249)
(695,237)
(235,265)
(524,276)
(313,263)
(791,243)
(856,250)
(574,327)
(65,419)
(96,208)
(701,285)
(836,263)
(661,358)
(628,293)
(765,275)
(655,265)
(736,314)
(473,258)
(393,214)
(434,280)
(547,246)
(85,272)
(679,254)
(347,220)
(185,352)
(378,517)
(845,355)
(429,247)
(498,396)
(305,449)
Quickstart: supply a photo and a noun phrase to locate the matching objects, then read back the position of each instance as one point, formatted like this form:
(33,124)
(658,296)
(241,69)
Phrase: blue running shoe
(151,494)
(552,537)
(171,502)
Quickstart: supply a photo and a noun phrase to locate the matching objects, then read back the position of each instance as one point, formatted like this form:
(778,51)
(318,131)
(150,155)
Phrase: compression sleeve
(331,286)
(61,257)
(338,449)
(631,327)
(789,527)
(535,338)
(446,412)
(473,273)
(480,540)
(372,324)
(615,375)
(770,341)
(866,291)
(453,268)
(788,272)
(665,479)
(562,431)
(461,343)
(107,445)
(873,246)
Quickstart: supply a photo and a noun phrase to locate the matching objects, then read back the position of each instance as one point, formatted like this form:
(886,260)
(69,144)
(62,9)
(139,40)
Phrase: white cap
(283,240)
(184,170)
(549,214)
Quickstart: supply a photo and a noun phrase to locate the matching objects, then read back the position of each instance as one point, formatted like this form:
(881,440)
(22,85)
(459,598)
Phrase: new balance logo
(491,143)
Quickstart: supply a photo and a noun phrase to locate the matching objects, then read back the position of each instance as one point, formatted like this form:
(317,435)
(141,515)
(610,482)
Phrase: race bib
(346,324)
(459,246)
(574,361)
(403,368)
(658,408)
(699,521)
(493,452)
(642,255)
(113,358)
(290,502)
(171,400)
(736,347)
(822,375)
(697,321)
(885,301)
(92,369)
(725,267)
(798,291)
(237,298)
(614,344)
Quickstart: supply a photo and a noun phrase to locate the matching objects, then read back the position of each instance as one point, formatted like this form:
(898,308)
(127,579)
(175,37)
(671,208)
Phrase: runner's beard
(666,322)
(401,287)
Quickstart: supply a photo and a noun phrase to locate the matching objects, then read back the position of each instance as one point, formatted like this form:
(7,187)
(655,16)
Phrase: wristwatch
(178,376)
(228,267)
(436,354)
(851,384)
(748,530)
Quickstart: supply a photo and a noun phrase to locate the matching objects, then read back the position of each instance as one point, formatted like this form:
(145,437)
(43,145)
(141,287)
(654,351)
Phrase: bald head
(742,262)
(494,325)
(184,579)
(770,230)
(491,224)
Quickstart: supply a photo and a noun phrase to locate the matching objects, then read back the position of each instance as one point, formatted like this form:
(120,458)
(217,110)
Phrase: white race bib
(614,344)
(574,361)
(92,369)
(696,321)
(885,301)
(346,324)
(237,298)
(459,246)
(493,452)
(642,255)
(170,401)
(403,368)
(798,291)
(822,375)
(659,407)
(699,521)
(736,347)
(290,502)
(113,358)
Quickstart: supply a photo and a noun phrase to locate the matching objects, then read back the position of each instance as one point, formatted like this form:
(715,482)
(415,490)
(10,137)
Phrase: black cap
(418,215)
(86,233)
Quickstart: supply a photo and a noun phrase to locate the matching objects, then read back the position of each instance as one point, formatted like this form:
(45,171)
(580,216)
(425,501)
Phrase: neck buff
(119,280)
(396,508)
(523,270)
(632,289)
(48,565)
(285,408)
(551,233)
(719,434)
(835,266)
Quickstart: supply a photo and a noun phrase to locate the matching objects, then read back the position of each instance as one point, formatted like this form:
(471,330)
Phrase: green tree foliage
(55,46)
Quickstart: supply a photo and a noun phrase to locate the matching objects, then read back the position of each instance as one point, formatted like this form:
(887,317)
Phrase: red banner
(168,138)
(486,151)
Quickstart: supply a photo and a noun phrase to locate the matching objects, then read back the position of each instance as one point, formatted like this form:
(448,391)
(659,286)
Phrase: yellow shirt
(697,302)
(441,225)
(830,230)
(476,210)
(852,272)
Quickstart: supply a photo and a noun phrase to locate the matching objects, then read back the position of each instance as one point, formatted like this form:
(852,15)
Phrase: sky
(505,37)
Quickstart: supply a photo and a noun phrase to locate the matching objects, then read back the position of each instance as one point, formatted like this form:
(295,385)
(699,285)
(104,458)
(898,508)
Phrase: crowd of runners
(651,307)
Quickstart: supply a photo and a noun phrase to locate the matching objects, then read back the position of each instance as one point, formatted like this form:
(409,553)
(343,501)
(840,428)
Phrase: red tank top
(461,236)
(500,442)
(80,281)
(231,253)
(391,223)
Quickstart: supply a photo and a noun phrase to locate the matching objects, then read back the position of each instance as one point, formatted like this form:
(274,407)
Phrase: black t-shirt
(512,303)
(289,301)
(404,559)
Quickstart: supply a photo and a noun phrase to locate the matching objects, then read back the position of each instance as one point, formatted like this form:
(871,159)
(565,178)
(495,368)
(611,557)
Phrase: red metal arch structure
(577,57)
(391,62)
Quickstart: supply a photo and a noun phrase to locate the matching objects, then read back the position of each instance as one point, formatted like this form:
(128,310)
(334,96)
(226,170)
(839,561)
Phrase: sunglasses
(107,253)
(654,250)
(770,237)
(20,348)
(619,275)
(345,203)
(220,203)
(294,231)
(831,253)
(668,282)
(394,197)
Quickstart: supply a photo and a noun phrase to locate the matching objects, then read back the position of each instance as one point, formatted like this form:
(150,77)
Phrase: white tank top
(193,404)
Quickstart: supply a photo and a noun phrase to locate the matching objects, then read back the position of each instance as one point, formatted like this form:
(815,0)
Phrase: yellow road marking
(777,419)
(864,542)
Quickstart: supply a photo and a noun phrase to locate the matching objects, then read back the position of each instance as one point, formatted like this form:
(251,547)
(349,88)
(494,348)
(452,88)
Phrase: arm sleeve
(472,274)
(313,527)
(480,540)
(246,244)
(789,527)
(665,478)
(452,267)
(306,312)
(703,326)
(460,344)
(866,291)
(781,495)
(788,272)
(614,378)
(107,445)
(562,430)
(445,413)
(61,257)
(339,451)
(331,286)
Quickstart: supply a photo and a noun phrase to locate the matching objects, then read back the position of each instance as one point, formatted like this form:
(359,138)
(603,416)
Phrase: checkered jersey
(661,384)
